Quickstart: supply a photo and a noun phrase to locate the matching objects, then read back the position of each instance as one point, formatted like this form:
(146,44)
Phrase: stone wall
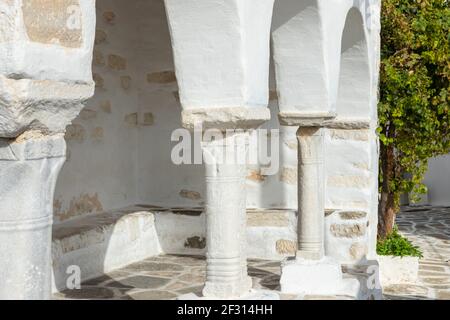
(100,172)
(438,181)
(119,147)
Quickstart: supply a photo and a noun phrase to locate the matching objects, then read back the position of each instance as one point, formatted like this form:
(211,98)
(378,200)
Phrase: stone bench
(101,243)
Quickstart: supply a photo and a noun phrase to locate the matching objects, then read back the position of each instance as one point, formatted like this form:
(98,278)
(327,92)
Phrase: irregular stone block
(358,251)
(289,175)
(125,82)
(109,17)
(286,247)
(75,132)
(255,175)
(100,36)
(99,59)
(356,135)
(117,62)
(83,204)
(149,119)
(106,106)
(131,119)
(191,195)
(53,22)
(87,114)
(348,230)
(267,218)
(348,181)
(162,77)
(352,215)
(195,242)
(99,81)
(97,133)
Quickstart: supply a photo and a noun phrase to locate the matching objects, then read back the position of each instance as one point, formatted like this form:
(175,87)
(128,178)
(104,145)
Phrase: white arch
(354,91)
(298,35)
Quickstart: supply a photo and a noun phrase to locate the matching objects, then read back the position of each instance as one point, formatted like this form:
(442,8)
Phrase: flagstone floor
(428,228)
(164,277)
(168,276)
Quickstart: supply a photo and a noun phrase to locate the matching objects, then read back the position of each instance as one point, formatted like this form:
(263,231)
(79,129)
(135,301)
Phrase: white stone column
(40,94)
(221,54)
(225,163)
(311,193)
(307,49)
(311,272)
(28,172)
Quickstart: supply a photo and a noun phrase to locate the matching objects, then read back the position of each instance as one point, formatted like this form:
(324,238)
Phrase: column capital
(225,118)
(45,64)
(305,119)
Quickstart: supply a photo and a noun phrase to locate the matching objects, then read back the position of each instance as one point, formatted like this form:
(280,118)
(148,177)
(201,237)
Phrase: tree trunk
(387,205)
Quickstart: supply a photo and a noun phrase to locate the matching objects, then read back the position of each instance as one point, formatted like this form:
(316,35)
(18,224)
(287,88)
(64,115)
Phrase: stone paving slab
(164,277)
(168,276)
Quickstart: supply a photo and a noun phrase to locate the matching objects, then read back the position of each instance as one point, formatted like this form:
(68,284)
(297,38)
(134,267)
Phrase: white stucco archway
(353,99)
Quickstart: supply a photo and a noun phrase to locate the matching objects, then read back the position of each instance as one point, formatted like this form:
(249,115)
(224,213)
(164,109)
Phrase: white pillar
(311,272)
(226,273)
(310,193)
(221,54)
(28,172)
(40,94)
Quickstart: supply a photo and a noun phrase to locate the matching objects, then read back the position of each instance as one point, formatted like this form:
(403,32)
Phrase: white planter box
(398,270)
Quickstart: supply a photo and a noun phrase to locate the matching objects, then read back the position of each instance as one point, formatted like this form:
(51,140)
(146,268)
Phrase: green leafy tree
(414,98)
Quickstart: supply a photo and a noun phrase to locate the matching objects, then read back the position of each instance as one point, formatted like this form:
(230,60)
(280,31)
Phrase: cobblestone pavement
(168,276)
(164,277)
(428,228)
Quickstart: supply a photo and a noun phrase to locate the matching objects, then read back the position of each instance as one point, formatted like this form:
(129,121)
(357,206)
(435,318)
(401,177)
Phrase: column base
(252,294)
(316,277)
(218,290)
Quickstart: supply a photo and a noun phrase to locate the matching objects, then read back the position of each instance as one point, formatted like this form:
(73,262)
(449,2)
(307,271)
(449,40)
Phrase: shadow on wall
(131,115)
(351,175)
(287,9)
(437,180)
(354,81)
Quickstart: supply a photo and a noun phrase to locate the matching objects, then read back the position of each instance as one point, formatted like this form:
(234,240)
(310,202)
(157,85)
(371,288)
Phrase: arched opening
(354,81)
(351,147)
(118,169)
(299,54)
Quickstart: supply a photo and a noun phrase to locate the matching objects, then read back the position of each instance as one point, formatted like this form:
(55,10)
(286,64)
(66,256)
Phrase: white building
(437,181)
(91,92)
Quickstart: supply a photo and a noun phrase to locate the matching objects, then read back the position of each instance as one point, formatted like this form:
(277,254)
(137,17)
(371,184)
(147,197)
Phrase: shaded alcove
(350,148)
(354,80)
(119,146)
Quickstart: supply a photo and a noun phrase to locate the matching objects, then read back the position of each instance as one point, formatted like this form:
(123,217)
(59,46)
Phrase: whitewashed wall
(100,172)
(438,181)
(119,147)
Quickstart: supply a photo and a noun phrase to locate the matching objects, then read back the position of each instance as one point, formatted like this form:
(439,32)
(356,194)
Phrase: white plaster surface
(232,72)
(141,154)
(225,208)
(301,276)
(38,88)
(398,270)
(437,180)
(116,158)
(103,247)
